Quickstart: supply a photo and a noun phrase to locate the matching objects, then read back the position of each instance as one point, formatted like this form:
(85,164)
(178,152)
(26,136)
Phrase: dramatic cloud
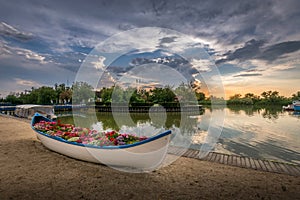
(275,51)
(28,83)
(254,74)
(259,36)
(7,30)
(254,50)
(249,51)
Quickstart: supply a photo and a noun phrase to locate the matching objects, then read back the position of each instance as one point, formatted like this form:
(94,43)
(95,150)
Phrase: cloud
(275,51)
(254,49)
(261,35)
(250,50)
(99,64)
(201,65)
(8,30)
(27,83)
(30,55)
(9,51)
(246,75)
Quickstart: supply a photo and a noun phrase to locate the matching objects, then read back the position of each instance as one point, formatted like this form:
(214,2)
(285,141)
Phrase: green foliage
(268,98)
(13,99)
(162,95)
(82,92)
(296,96)
(168,97)
(45,95)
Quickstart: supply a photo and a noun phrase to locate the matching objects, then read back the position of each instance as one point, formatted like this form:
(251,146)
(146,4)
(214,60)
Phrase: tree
(11,98)
(46,95)
(106,94)
(296,96)
(236,96)
(162,95)
(58,90)
(185,93)
(200,96)
(271,96)
(66,96)
(82,92)
(252,96)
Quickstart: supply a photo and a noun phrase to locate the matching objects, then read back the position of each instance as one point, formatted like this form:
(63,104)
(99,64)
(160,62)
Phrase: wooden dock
(240,161)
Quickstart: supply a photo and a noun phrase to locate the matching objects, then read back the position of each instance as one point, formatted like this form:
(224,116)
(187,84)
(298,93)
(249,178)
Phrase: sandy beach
(30,171)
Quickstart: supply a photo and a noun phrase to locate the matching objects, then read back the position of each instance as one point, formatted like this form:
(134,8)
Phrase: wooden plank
(191,153)
(225,159)
(238,161)
(229,160)
(292,169)
(234,160)
(247,162)
(187,153)
(208,157)
(180,151)
(296,169)
(258,166)
(243,162)
(252,164)
(213,157)
(263,166)
(268,166)
(274,167)
(222,159)
(196,154)
(218,157)
(279,169)
(284,169)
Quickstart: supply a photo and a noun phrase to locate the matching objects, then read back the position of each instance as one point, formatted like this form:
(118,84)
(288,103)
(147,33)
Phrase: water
(262,133)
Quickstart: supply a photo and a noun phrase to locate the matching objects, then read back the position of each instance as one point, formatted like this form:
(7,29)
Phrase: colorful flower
(86,136)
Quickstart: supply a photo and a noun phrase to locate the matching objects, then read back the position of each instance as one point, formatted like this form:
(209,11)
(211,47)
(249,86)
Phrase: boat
(28,111)
(288,107)
(145,155)
(296,105)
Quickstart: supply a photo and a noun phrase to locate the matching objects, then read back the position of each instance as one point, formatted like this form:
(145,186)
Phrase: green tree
(66,96)
(185,93)
(200,96)
(46,95)
(296,96)
(271,96)
(162,95)
(236,96)
(106,94)
(82,92)
(11,98)
(58,90)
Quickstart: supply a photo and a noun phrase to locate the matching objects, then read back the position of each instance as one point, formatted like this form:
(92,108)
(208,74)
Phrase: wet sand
(30,171)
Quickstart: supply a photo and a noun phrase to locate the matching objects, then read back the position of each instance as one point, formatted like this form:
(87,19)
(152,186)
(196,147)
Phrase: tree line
(45,95)
(267,98)
(82,92)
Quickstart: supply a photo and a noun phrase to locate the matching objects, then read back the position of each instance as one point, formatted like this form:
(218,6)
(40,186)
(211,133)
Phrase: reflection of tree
(268,112)
(179,120)
(271,112)
(249,110)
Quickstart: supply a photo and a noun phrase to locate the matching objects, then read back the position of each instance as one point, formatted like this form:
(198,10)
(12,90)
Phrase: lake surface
(262,133)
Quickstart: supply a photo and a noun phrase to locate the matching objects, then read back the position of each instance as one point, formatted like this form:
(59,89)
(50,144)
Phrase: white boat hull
(146,155)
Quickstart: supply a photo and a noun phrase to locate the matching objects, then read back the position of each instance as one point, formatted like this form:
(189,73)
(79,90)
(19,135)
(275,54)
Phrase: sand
(30,171)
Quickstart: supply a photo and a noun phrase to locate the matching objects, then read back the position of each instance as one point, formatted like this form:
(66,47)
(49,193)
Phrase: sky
(253,44)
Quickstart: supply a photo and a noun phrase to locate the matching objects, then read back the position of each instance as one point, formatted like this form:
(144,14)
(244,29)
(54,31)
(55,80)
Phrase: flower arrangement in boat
(86,136)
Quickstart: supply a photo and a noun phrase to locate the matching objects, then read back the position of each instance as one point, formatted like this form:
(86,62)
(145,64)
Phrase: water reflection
(262,133)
